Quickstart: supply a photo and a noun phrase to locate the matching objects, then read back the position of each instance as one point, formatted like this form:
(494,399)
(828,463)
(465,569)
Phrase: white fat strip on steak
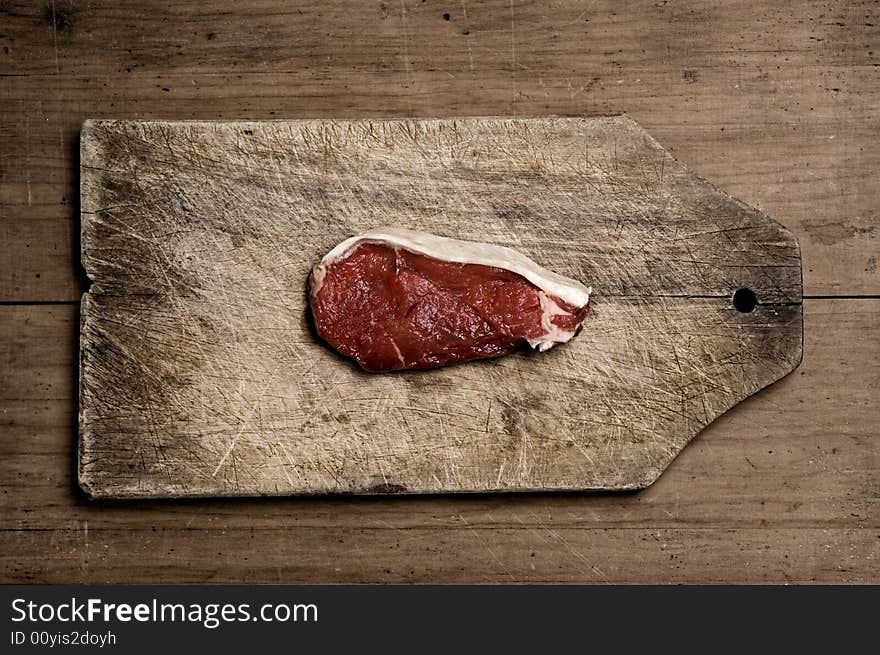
(551,285)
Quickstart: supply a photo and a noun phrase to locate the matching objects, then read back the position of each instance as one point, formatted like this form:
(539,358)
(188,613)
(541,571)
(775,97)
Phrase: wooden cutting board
(201,375)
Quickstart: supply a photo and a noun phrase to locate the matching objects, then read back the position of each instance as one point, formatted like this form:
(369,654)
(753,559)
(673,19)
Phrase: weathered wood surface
(777,103)
(784,489)
(200,374)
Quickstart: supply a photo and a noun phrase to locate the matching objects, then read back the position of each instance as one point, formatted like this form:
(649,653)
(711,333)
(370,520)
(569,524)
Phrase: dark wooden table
(777,103)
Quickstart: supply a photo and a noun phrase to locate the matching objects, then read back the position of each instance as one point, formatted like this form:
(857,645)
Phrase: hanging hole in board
(745,300)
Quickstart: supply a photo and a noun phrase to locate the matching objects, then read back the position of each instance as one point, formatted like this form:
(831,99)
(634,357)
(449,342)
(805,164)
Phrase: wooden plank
(535,554)
(200,375)
(798,453)
(407,37)
(781,120)
(783,488)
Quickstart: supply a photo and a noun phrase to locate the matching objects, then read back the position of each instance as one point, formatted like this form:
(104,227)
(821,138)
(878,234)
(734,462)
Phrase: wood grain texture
(777,103)
(785,489)
(201,376)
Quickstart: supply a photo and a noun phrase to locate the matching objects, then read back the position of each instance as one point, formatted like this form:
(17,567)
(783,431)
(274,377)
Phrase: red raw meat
(392,309)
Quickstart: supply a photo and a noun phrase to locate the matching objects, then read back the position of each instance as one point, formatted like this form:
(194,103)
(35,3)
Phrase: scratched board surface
(200,373)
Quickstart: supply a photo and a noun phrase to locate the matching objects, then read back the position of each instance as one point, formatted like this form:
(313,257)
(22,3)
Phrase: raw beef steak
(395,299)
